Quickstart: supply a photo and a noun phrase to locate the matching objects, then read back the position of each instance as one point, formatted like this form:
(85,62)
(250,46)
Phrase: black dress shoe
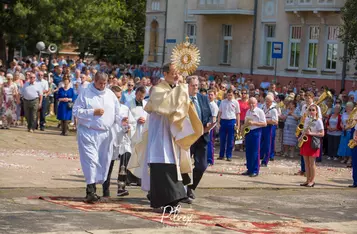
(271,159)
(190,193)
(92,198)
(253,175)
(186,200)
(263,165)
(122,193)
(352,186)
(245,173)
(304,184)
(219,158)
(229,159)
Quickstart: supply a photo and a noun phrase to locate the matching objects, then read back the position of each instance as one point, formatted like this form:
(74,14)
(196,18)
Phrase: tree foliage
(349,28)
(105,28)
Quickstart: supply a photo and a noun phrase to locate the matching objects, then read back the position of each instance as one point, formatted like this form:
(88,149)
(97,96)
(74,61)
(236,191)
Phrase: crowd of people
(58,87)
(260,119)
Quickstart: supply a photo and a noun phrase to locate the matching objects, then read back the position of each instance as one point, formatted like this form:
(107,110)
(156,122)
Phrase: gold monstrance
(186,58)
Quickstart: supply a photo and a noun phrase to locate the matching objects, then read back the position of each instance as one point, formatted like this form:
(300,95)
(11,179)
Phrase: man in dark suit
(199,148)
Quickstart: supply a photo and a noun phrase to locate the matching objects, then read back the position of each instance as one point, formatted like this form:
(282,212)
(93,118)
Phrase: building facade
(237,36)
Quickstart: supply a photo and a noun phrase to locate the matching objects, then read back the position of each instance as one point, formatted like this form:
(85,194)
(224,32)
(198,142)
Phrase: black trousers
(333,143)
(43,112)
(130,178)
(199,154)
(55,103)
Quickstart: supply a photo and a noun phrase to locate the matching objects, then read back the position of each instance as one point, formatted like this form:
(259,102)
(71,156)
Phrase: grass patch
(52,120)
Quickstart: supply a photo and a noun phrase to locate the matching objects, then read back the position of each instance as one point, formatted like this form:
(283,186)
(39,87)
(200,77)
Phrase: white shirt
(257,115)
(344,119)
(42,84)
(31,91)
(304,108)
(271,113)
(229,109)
(315,127)
(333,122)
(214,108)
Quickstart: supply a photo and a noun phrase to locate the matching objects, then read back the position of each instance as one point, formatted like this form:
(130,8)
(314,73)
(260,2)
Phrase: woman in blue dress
(343,150)
(65,98)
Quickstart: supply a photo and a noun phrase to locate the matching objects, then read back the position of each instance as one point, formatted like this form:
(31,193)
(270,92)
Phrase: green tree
(25,22)
(106,28)
(122,39)
(349,28)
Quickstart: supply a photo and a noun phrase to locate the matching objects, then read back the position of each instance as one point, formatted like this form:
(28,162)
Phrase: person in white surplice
(136,107)
(97,110)
(122,147)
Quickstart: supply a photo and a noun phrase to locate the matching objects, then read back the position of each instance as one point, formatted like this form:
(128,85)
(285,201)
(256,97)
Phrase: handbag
(70,105)
(315,142)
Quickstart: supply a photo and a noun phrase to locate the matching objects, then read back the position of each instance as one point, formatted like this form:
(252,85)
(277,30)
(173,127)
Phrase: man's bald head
(253,100)
(253,103)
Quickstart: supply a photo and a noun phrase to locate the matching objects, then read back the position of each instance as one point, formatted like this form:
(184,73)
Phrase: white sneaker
(335,159)
(329,158)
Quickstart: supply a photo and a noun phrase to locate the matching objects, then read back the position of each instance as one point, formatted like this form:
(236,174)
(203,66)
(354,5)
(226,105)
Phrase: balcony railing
(222,7)
(314,5)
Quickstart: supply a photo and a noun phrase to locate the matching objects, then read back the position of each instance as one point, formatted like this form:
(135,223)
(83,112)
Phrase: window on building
(154,39)
(325,1)
(294,45)
(191,33)
(155,5)
(314,33)
(332,46)
(203,2)
(269,37)
(227,44)
(305,2)
(289,2)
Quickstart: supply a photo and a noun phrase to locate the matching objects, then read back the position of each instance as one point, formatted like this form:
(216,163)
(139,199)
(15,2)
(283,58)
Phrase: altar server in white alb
(122,145)
(97,110)
(136,107)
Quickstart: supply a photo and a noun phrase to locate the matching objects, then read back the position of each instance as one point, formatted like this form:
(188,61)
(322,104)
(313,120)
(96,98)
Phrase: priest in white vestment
(122,146)
(97,110)
(174,127)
